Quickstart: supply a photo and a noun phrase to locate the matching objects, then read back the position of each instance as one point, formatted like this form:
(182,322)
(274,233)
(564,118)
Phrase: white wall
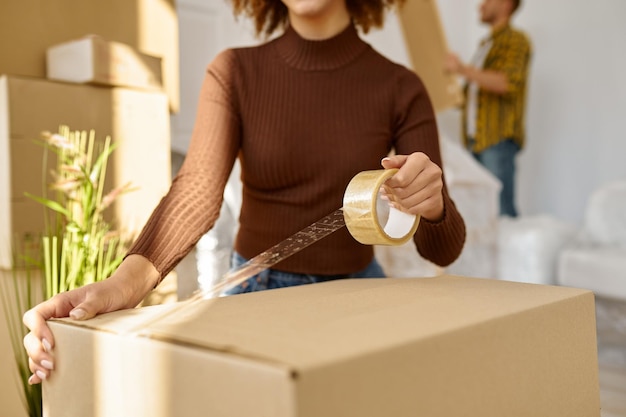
(206,28)
(577,107)
(577,94)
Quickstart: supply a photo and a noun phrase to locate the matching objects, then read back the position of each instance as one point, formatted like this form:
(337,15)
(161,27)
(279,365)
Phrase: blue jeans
(272,278)
(500,161)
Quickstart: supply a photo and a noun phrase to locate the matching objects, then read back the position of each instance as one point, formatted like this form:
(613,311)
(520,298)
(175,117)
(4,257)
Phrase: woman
(304,113)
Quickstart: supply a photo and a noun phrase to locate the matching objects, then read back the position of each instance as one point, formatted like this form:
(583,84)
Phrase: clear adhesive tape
(369,218)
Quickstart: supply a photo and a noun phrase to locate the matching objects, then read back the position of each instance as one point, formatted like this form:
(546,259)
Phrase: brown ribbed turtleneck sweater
(304,117)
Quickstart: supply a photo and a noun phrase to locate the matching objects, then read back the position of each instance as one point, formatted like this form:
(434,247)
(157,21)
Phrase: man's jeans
(271,278)
(500,161)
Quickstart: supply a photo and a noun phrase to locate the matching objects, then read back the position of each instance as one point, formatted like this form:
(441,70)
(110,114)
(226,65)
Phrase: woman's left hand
(417,187)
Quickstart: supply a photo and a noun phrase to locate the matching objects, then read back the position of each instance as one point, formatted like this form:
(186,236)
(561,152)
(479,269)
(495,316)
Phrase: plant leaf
(53,205)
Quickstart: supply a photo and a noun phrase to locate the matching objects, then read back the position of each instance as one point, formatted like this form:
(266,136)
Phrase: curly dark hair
(269,15)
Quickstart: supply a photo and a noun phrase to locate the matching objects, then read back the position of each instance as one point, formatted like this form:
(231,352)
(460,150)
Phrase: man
(493,112)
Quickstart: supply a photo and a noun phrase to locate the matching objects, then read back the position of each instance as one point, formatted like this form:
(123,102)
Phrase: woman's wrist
(136,277)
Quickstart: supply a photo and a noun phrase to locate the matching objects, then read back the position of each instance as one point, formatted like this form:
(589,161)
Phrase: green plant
(82,247)
(79,246)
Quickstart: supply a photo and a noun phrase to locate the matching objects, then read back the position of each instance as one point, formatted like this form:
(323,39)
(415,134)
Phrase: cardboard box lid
(312,326)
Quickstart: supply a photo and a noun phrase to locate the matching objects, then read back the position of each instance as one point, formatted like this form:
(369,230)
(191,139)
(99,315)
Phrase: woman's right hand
(130,283)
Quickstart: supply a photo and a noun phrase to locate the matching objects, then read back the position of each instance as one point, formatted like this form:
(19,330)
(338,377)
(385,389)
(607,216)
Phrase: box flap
(315,325)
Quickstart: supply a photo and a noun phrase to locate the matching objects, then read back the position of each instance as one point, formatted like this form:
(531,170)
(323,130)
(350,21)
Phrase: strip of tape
(369,218)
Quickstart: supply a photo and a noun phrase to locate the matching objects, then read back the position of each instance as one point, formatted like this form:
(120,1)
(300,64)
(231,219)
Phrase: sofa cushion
(599,269)
(605,215)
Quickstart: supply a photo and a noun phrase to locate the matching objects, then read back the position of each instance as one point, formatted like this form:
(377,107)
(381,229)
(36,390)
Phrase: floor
(613,391)
(611,323)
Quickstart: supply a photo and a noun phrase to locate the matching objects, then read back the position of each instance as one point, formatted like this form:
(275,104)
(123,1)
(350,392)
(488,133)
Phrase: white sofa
(596,259)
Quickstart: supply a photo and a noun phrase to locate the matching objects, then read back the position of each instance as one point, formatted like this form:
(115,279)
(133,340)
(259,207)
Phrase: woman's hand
(417,187)
(130,283)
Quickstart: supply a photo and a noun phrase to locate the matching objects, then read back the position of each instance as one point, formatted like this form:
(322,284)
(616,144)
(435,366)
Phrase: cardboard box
(138,121)
(94,60)
(439,347)
(30,27)
(427,47)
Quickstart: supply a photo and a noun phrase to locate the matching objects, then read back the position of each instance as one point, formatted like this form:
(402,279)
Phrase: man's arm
(493,81)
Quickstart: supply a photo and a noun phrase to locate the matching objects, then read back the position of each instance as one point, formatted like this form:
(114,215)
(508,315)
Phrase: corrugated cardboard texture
(437,347)
(29,27)
(427,47)
(138,121)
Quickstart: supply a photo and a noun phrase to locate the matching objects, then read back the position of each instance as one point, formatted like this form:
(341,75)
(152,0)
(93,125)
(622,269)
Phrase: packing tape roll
(369,218)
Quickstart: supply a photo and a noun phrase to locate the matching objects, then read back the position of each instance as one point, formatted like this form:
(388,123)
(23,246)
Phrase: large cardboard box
(427,48)
(138,121)
(437,347)
(29,27)
(94,60)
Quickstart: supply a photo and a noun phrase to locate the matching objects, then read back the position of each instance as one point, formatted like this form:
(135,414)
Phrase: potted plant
(79,246)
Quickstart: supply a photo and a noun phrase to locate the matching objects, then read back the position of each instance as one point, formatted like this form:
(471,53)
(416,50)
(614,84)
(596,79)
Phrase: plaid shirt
(501,116)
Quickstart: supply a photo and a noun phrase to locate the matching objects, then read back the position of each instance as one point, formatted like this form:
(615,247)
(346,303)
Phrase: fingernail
(47,364)
(78,314)
(30,379)
(385,159)
(40,374)
(46,345)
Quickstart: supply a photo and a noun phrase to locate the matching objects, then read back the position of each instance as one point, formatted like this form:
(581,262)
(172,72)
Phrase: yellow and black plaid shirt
(501,116)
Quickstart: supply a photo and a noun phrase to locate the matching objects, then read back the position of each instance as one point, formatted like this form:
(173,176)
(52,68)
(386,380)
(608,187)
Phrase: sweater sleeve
(192,204)
(416,131)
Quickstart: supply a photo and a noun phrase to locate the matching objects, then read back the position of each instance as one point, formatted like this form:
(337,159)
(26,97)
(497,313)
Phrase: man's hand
(452,64)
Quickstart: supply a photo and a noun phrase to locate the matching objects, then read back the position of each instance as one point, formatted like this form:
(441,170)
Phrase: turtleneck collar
(320,55)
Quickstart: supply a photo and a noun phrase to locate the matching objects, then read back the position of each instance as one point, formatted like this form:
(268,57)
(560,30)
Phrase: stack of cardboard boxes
(121,83)
(107,83)
(138,121)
